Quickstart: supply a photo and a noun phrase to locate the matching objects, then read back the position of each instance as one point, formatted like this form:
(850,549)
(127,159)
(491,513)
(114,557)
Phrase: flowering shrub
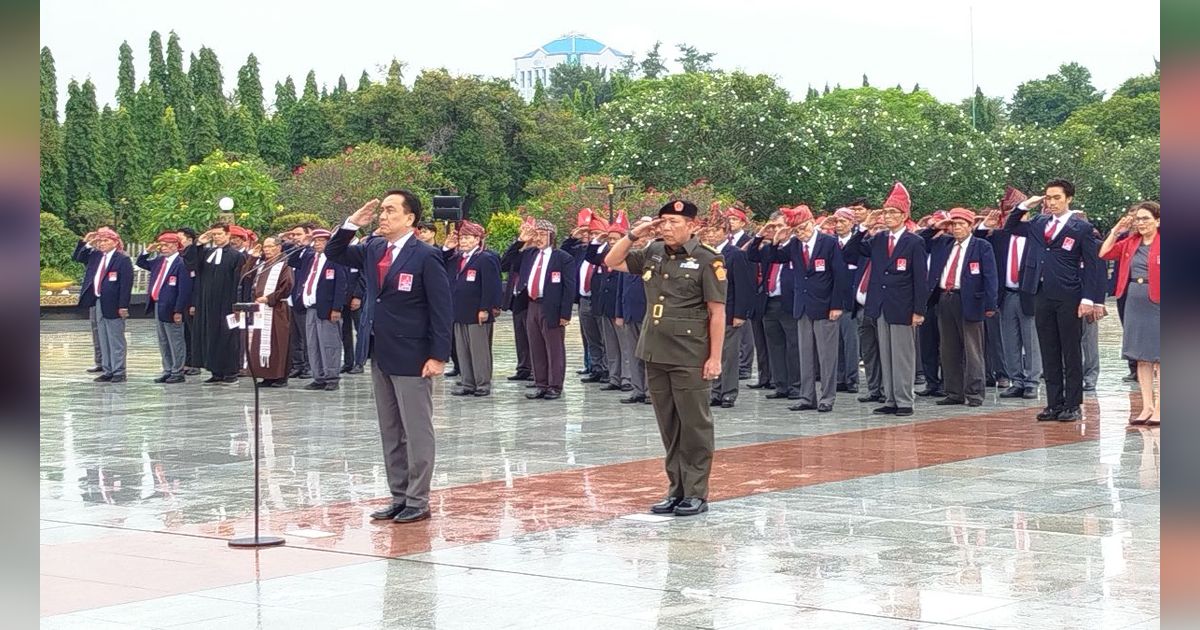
(559,202)
(189,197)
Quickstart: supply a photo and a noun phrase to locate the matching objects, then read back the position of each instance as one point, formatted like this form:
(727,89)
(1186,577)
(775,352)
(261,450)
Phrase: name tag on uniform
(555,277)
(470,275)
(329,274)
(171,280)
(901,264)
(405,282)
(819,264)
(974,269)
(112,276)
(1068,243)
(689,264)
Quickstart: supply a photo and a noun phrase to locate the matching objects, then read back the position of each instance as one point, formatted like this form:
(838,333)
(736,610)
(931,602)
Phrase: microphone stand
(256,541)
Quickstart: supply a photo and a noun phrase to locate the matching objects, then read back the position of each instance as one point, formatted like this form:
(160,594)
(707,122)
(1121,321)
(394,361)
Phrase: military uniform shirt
(679,283)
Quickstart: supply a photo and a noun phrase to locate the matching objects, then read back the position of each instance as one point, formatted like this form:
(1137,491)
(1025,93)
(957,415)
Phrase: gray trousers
(324,342)
(94,321)
(745,349)
(898,359)
(593,338)
(298,341)
(847,372)
(868,343)
(962,350)
(1090,345)
(405,408)
(614,354)
(1018,335)
(725,386)
(818,347)
(171,346)
(629,334)
(112,344)
(474,355)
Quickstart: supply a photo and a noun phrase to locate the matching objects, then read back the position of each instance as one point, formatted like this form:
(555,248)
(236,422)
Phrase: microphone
(264,263)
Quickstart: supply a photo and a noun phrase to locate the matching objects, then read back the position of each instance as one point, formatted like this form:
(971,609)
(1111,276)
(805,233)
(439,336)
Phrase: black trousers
(783,346)
(521,339)
(761,355)
(930,346)
(1060,332)
(349,333)
(298,342)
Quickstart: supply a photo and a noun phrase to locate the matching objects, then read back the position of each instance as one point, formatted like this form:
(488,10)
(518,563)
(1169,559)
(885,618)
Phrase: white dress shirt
(310,292)
(961,250)
(539,280)
(102,270)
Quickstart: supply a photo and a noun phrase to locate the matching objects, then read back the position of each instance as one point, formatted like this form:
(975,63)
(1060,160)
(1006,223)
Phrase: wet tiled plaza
(954,517)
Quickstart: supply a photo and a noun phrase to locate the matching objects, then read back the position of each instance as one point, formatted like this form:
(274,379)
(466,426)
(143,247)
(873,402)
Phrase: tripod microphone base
(254,542)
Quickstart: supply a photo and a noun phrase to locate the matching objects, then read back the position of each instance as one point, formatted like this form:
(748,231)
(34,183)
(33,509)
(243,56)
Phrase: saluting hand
(1033,202)
(366,214)
(644,229)
(526,234)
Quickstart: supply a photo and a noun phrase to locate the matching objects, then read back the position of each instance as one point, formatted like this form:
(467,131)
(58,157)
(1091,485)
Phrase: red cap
(736,213)
(319,233)
(796,216)
(1012,197)
(622,220)
(957,214)
(899,199)
(597,224)
(470,228)
(846,214)
(238,231)
(583,218)
(168,237)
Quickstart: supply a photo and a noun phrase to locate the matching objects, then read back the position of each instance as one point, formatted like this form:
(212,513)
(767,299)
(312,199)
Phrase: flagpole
(974,86)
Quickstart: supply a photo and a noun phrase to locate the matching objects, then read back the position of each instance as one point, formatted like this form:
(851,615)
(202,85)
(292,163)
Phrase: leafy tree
(652,66)
(189,196)
(169,152)
(311,134)
(205,73)
(334,187)
(539,94)
(364,81)
(1134,87)
(342,88)
(89,214)
(395,72)
(53,182)
(811,93)
(865,83)
(310,86)
(56,244)
(549,144)
(158,66)
(986,113)
(239,135)
(283,222)
(693,60)
(126,82)
(48,98)
(1121,118)
(1048,102)
(274,143)
(82,144)
(147,114)
(569,79)
(250,90)
(206,132)
(179,86)
(285,95)
(130,179)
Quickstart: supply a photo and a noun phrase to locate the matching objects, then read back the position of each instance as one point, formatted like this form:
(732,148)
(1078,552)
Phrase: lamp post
(612,189)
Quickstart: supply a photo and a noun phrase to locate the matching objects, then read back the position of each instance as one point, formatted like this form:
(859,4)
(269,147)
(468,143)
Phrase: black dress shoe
(1128,378)
(103,378)
(714,402)
(552,394)
(331,386)
(162,379)
(627,387)
(919,380)
(531,385)
(191,371)
(611,388)
(691,506)
(171,380)
(776,395)
(648,401)
(841,387)
(518,377)
(294,374)
(583,371)
(358,369)
(931,392)
(538,393)
(462,391)
(666,506)
(315,386)
(824,408)
(212,379)
(974,403)
(1074,414)
(229,380)
(388,513)
(949,401)
(904,411)
(636,398)
(1049,413)
(871,398)
(802,407)
(117,379)
(1003,382)
(1030,393)
(95,370)
(452,372)
(480,393)
(886,410)
(758,385)
(279,382)
(991,382)
(411,515)
(590,378)
(728,403)
(1016,391)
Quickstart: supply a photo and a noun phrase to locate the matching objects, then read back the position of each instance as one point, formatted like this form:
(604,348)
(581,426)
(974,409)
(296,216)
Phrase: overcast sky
(800,43)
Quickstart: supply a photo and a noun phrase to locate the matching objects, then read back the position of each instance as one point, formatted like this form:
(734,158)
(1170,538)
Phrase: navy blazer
(606,283)
(333,284)
(477,287)
(298,258)
(408,318)
(83,254)
(1001,241)
(632,306)
(979,281)
(116,286)
(510,263)
(558,297)
(1069,267)
(175,295)
(823,285)
(895,293)
(787,281)
(741,291)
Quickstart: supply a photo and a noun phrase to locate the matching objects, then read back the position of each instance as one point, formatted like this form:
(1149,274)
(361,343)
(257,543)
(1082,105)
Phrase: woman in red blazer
(1137,253)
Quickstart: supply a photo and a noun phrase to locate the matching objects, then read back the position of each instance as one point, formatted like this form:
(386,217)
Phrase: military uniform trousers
(962,350)
(680,397)
(725,386)
(475,355)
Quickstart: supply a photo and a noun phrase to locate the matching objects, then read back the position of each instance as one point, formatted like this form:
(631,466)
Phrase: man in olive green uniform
(682,337)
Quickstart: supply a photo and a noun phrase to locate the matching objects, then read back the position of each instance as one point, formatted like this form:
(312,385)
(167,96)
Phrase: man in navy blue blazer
(83,254)
(779,326)
(297,243)
(108,292)
(821,297)
(896,296)
(475,281)
(1066,278)
(168,298)
(515,302)
(740,293)
(606,296)
(963,269)
(409,326)
(323,285)
(549,289)
(589,278)
(631,310)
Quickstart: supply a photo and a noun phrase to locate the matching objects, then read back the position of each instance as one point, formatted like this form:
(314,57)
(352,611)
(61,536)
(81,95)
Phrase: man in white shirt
(322,293)
(843,222)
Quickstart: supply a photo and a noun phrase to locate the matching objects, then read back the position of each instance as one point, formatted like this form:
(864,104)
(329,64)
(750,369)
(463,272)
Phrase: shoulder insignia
(711,248)
(719,269)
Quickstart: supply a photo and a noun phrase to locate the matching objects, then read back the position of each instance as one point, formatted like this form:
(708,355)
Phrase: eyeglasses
(892,211)
(1142,219)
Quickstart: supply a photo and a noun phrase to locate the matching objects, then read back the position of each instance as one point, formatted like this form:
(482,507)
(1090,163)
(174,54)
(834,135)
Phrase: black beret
(679,207)
(426,225)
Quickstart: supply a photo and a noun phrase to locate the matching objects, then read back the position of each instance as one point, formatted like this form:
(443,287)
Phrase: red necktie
(462,263)
(587,277)
(535,290)
(804,254)
(891,244)
(100,273)
(772,277)
(312,276)
(1012,262)
(385,262)
(862,286)
(158,282)
(952,272)
(1050,231)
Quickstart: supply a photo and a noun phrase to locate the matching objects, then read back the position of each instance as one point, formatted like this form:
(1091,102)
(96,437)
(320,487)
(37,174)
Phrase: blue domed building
(570,48)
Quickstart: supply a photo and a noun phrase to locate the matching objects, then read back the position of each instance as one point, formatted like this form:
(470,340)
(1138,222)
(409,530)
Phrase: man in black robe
(218,267)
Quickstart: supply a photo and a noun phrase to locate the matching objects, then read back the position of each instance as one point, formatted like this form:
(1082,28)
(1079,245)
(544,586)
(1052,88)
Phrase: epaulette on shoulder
(711,248)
